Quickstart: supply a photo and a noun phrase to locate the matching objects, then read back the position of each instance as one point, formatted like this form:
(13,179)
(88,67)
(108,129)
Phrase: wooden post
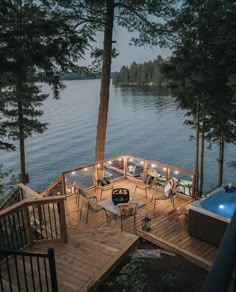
(63,220)
(194,184)
(53,271)
(167,173)
(63,185)
(26,219)
(145,169)
(125,166)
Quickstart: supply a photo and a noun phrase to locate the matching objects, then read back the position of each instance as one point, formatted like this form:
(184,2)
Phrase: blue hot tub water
(222,203)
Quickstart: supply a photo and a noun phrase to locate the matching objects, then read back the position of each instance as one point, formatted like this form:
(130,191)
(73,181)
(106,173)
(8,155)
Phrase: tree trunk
(105,83)
(21,137)
(221,158)
(201,178)
(197,148)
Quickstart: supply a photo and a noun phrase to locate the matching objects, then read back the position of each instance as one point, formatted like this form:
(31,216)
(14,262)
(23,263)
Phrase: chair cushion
(149,179)
(103,182)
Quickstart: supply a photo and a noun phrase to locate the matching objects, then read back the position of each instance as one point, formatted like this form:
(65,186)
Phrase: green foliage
(148,73)
(131,277)
(8,183)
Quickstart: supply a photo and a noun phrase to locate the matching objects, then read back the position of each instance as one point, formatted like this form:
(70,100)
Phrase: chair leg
(101,194)
(121,223)
(87,216)
(80,212)
(146,193)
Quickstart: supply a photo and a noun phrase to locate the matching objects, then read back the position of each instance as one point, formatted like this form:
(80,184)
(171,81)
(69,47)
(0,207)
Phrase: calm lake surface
(143,122)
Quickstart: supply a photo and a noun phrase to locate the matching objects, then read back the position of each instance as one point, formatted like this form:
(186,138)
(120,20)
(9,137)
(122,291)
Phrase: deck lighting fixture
(141,162)
(109,162)
(176,172)
(146,223)
(98,165)
(85,169)
(164,168)
(73,172)
(153,165)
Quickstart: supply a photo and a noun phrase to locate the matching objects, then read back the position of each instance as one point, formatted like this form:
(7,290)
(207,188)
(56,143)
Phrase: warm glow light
(109,162)
(85,169)
(153,165)
(98,165)
(191,176)
(131,160)
(120,159)
(141,162)
(176,172)
(58,193)
(73,172)
(164,168)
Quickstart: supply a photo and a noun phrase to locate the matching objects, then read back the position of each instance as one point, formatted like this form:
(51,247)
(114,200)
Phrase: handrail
(220,275)
(29,271)
(33,220)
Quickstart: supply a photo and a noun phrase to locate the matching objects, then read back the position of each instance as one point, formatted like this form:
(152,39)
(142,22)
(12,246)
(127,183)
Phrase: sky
(128,54)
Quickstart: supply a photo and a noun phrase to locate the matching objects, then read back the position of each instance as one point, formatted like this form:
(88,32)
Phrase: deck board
(94,249)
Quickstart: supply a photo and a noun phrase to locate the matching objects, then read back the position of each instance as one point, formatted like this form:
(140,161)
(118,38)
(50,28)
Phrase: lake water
(143,122)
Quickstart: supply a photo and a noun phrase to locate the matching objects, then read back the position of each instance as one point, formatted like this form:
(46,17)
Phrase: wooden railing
(32,220)
(97,169)
(28,271)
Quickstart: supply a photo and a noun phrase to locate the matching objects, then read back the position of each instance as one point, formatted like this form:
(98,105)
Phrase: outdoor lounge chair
(146,185)
(127,210)
(89,205)
(98,185)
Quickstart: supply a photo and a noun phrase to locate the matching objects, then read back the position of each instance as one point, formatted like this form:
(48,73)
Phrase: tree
(35,39)
(199,71)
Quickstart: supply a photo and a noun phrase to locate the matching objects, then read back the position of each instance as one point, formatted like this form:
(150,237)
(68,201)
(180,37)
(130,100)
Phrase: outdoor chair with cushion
(89,205)
(102,184)
(147,184)
(127,210)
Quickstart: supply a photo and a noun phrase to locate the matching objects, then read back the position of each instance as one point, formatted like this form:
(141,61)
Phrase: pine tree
(36,38)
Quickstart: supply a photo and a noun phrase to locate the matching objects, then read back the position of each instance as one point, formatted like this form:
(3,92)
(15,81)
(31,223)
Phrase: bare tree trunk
(197,148)
(21,137)
(18,95)
(105,83)
(221,158)
(201,177)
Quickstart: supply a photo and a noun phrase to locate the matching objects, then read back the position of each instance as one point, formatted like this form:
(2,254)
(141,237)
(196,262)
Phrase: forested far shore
(148,73)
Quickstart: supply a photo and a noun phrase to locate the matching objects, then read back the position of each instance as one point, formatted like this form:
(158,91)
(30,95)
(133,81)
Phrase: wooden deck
(94,249)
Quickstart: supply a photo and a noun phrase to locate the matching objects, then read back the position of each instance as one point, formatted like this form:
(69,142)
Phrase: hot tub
(209,217)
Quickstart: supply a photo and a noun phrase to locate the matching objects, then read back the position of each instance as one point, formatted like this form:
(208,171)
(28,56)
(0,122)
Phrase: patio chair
(127,210)
(89,205)
(98,184)
(147,184)
(163,196)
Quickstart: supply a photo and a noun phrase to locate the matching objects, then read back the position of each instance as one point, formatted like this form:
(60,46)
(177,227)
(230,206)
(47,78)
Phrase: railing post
(167,173)
(27,225)
(194,184)
(53,271)
(125,166)
(63,220)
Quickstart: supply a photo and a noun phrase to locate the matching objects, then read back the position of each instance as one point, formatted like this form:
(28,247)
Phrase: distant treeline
(148,73)
(81,75)
(78,76)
